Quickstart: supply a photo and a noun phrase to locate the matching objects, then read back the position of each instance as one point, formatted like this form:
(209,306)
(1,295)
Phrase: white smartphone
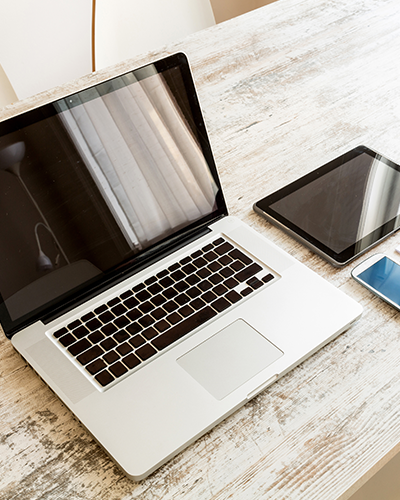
(381,275)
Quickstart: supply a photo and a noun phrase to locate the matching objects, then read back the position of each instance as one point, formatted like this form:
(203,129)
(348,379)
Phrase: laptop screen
(94,185)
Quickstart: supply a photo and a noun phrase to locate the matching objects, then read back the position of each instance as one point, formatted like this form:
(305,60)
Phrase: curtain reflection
(143,157)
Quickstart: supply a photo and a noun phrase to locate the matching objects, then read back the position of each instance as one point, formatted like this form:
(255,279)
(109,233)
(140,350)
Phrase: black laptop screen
(93,184)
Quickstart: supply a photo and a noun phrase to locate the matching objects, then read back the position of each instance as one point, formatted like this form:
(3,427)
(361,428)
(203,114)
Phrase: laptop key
(134,314)
(146,352)
(89,355)
(238,255)
(254,282)
(121,336)
(59,333)
(171,306)
(111,357)
(161,326)
(237,265)
(220,304)
(197,304)
(121,322)
(109,329)
(146,321)
(181,329)
(100,309)
(131,302)
(174,318)
(210,256)
(216,278)
(96,366)
(146,307)
(158,313)
(233,296)
(218,242)
(79,347)
(149,333)
(205,285)
(227,272)
(214,266)
(224,248)
(225,260)
(108,344)
(74,324)
(104,378)
(267,278)
(126,294)
(185,311)
(93,324)
(248,272)
(131,361)
(189,269)
(209,296)
(67,340)
(199,262)
(87,316)
(106,317)
(124,349)
(96,337)
(231,283)
(193,279)
(118,369)
(80,332)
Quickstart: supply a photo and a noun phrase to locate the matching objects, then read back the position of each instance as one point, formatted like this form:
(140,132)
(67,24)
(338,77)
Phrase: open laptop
(124,283)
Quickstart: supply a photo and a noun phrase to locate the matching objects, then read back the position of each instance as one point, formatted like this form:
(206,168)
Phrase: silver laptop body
(125,284)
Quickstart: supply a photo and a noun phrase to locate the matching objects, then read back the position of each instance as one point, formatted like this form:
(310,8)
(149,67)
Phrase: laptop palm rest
(229,358)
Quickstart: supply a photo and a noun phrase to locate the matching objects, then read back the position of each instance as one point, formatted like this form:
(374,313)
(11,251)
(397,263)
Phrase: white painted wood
(284,89)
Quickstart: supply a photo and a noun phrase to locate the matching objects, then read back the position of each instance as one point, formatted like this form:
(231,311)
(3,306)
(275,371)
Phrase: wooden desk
(284,89)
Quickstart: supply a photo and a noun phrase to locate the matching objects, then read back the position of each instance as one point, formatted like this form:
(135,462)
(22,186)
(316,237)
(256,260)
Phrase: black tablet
(341,209)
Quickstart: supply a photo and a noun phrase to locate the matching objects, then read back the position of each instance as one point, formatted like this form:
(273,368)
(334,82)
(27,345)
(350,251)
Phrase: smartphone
(381,276)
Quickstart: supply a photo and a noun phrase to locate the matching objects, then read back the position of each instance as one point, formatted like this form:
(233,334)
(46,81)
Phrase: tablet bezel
(263,207)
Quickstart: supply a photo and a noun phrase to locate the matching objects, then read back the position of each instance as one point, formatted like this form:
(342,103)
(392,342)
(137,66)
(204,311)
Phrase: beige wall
(226,9)
(385,484)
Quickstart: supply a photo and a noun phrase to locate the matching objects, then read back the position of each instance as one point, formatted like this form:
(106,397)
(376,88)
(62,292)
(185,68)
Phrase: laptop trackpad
(229,358)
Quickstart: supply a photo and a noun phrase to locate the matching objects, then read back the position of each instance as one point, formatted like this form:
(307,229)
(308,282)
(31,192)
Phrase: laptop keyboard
(118,336)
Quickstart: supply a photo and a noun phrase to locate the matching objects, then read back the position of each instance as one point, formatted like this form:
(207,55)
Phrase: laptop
(125,284)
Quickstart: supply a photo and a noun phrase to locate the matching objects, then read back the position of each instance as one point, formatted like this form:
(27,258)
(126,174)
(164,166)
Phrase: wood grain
(284,89)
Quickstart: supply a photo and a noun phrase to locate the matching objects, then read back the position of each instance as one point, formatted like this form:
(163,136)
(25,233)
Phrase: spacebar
(181,329)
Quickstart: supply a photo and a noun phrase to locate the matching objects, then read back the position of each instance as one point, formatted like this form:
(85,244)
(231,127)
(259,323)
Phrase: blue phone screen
(384,276)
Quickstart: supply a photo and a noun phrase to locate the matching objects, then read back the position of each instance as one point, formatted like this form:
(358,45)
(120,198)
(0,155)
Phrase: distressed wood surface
(284,89)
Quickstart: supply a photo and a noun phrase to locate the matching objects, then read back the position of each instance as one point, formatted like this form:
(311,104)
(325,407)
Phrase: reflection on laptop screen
(94,180)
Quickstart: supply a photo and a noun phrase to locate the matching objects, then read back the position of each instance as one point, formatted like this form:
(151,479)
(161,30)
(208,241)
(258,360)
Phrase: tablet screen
(342,208)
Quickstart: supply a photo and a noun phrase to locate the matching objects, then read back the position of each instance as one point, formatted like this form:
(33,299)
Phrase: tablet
(341,209)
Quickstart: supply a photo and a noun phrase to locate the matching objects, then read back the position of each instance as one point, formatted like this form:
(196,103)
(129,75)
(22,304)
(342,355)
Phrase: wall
(385,484)
(226,9)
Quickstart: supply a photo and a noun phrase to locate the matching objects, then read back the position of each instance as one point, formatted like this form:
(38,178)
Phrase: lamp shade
(11,155)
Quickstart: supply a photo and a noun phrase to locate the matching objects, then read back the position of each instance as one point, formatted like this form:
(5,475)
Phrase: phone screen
(384,277)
